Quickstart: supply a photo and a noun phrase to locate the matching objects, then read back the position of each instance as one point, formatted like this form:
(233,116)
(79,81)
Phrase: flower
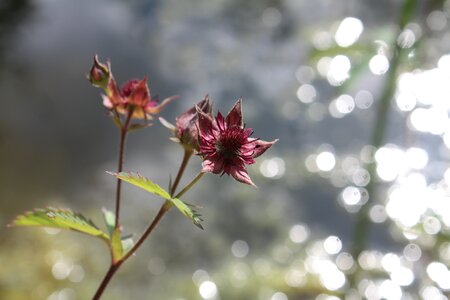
(186,129)
(226,145)
(133,98)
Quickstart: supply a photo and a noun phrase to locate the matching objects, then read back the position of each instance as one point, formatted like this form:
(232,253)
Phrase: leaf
(59,218)
(110,220)
(143,183)
(188,212)
(146,184)
(116,245)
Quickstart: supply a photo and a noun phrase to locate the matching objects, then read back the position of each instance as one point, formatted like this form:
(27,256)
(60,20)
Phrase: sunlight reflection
(348,31)
(379,64)
(273,167)
(240,248)
(208,290)
(440,274)
(325,161)
(332,244)
(306,93)
(339,69)
(299,233)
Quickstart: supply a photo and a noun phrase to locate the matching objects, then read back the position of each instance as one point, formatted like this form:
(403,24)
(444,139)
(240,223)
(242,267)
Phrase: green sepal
(127,243)
(59,218)
(134,127)
(116,120)
(148,185)
(110,220)
(116,245)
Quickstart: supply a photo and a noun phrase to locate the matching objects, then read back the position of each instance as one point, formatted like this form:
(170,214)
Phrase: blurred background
(353,202)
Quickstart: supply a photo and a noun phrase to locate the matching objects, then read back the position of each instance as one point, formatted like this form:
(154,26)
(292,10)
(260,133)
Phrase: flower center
(230,142)
(129,87)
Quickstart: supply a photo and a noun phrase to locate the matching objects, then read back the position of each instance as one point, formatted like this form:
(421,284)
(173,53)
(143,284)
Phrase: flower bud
(99,74)
(187,124)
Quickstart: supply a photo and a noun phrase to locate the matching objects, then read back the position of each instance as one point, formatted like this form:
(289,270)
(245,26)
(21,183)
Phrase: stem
(123,135)
(190,184)
(362,226)
(112,270)
(187,155)
(162,211)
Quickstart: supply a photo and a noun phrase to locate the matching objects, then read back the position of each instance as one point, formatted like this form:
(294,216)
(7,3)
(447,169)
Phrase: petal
(167,124)
(260,146)
(107,102)
(240,174)
(140,94)
(205,123)
(113,93)
(220,122)
(234,117)
(213,164)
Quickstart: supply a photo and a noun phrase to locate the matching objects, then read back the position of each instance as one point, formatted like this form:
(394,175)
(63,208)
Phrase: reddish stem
(123,135)
(162,211)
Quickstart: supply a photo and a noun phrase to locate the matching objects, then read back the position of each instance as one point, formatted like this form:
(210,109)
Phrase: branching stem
(162,211)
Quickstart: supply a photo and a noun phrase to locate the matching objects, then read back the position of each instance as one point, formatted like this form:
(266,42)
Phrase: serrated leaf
(110,220)
(143,183)
(148,185)
(59,218)
(116,245)
(188,212)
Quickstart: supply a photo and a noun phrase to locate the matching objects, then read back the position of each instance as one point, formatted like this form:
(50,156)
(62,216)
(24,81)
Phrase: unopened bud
(99,74)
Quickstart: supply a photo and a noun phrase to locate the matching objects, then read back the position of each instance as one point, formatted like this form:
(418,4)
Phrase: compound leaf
(59,218)
(148,185)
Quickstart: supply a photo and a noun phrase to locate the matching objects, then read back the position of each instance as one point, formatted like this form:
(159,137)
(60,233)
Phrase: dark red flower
(226,145)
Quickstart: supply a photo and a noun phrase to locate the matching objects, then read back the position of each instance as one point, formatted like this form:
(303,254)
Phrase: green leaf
(116,245)
(146,184)
(188,212)
(59,218)
(143,183)
(110,220)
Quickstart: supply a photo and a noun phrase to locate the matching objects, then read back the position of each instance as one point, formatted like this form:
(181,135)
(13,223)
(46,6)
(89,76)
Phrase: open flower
(226,145)
(133,98)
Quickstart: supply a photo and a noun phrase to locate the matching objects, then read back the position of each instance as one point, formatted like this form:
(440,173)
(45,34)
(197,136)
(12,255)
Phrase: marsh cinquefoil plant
(223,143)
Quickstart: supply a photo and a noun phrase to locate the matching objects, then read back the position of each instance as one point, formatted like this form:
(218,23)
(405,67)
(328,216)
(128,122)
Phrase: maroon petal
(113,93)
(260,146)
(140,94)
(153,110)
(213,164)
(240,174)
(205,122)
(234,117)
